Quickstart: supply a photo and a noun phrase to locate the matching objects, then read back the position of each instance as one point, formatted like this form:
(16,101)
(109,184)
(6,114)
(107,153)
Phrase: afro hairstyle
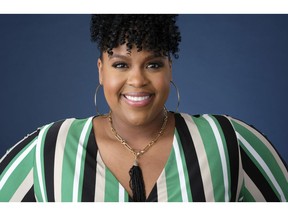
(152,32)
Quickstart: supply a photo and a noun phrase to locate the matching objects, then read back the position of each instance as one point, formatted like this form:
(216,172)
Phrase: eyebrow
(126,57)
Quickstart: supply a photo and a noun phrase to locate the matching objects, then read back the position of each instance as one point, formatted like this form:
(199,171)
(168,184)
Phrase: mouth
(138,99)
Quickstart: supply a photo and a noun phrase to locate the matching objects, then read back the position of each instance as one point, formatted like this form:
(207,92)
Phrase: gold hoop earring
(95,99)
(178,95)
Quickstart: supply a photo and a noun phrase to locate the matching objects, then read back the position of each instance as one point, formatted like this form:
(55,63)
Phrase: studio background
(228,64)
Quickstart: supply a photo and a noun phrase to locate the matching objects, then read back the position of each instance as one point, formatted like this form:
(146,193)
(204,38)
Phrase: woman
(139,151)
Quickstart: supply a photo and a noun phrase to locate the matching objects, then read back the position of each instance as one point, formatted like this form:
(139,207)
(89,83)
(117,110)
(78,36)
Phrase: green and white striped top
(214,158)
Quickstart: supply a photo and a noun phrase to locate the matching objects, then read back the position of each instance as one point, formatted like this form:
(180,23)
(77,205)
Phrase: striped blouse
(214,158)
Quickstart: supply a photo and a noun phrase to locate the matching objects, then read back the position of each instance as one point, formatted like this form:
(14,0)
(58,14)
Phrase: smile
(138,100)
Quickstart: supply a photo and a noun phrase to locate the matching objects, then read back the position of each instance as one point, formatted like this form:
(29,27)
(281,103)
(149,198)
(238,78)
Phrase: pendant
(136,183)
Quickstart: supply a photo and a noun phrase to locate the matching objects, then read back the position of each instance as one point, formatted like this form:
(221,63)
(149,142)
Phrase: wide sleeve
(265,176)
(16,171)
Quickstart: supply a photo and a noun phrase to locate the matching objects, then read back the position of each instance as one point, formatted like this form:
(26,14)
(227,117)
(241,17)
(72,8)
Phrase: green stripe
(111,187)
(226,153)
(267,157)
(247,195)
(172,178)
(80,187)
(36,179)
(69,159)
(213,156)
(18,175)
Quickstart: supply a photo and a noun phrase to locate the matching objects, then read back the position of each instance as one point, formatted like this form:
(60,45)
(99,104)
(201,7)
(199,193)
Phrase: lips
(138,99)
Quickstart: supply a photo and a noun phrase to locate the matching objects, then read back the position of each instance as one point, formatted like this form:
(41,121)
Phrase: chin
(137,120)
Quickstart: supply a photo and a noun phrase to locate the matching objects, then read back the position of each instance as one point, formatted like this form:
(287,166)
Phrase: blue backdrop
(228,64)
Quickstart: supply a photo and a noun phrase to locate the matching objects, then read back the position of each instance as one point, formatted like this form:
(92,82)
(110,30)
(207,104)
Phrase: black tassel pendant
(137,183)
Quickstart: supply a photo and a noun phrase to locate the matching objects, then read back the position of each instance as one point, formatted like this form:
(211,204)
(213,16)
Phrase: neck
(138,136)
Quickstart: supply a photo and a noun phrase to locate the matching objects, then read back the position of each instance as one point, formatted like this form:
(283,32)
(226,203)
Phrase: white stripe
(162,188)
(202,158)
(38,161)
(23,188)
(16,163)
(100,180)
(263,165)
(79,160)
(222,154)
(58,161)
(180,170)
(121,193)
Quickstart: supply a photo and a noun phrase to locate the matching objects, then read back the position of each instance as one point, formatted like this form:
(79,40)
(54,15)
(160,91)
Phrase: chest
(182,179)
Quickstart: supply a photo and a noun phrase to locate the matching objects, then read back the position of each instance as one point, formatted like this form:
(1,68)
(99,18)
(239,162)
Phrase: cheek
(112,87)
(163,86)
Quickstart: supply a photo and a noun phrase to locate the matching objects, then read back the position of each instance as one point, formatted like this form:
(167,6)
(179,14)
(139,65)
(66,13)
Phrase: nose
(137,78)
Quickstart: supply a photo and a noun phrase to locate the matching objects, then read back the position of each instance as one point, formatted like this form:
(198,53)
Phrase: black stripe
(233,153)
(191,158)
(256,176)
(153,196)
(49,156)
(89,181)
(29,197)
(279,155)
(10,156)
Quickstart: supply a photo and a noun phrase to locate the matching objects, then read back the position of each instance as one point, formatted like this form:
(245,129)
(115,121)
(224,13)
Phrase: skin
(136,86)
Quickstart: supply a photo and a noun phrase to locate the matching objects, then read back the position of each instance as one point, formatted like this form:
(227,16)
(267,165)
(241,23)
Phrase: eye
(155,65)
(120,65)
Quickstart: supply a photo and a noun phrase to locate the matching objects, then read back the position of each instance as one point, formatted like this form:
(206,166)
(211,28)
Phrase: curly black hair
(153,32)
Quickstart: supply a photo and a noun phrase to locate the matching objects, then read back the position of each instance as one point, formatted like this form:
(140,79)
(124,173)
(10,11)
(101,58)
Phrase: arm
(265,173)
(16,171)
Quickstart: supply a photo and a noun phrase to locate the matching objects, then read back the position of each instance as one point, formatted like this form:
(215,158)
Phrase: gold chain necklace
(136,182)
(146,148)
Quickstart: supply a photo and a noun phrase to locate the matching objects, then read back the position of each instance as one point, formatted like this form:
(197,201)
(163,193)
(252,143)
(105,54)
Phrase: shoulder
(217,120)
(62,129)
(226,124)
(213,121)
(219,127)
(66,124)
(209,129)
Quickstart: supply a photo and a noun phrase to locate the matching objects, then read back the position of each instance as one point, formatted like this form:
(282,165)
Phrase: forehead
(123,51)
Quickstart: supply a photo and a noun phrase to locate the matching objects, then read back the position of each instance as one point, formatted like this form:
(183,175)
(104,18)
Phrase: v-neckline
(158,178)
(155,184)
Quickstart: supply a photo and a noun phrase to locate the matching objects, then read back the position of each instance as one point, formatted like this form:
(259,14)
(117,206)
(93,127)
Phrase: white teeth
(133,98)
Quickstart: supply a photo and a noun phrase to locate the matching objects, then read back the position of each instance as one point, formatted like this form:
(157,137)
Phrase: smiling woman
(139,151)
(136,86)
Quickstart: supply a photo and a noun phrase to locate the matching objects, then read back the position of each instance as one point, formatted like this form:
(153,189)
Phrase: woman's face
(136,84)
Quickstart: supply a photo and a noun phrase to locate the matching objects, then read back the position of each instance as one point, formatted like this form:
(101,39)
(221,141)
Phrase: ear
(100,70)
